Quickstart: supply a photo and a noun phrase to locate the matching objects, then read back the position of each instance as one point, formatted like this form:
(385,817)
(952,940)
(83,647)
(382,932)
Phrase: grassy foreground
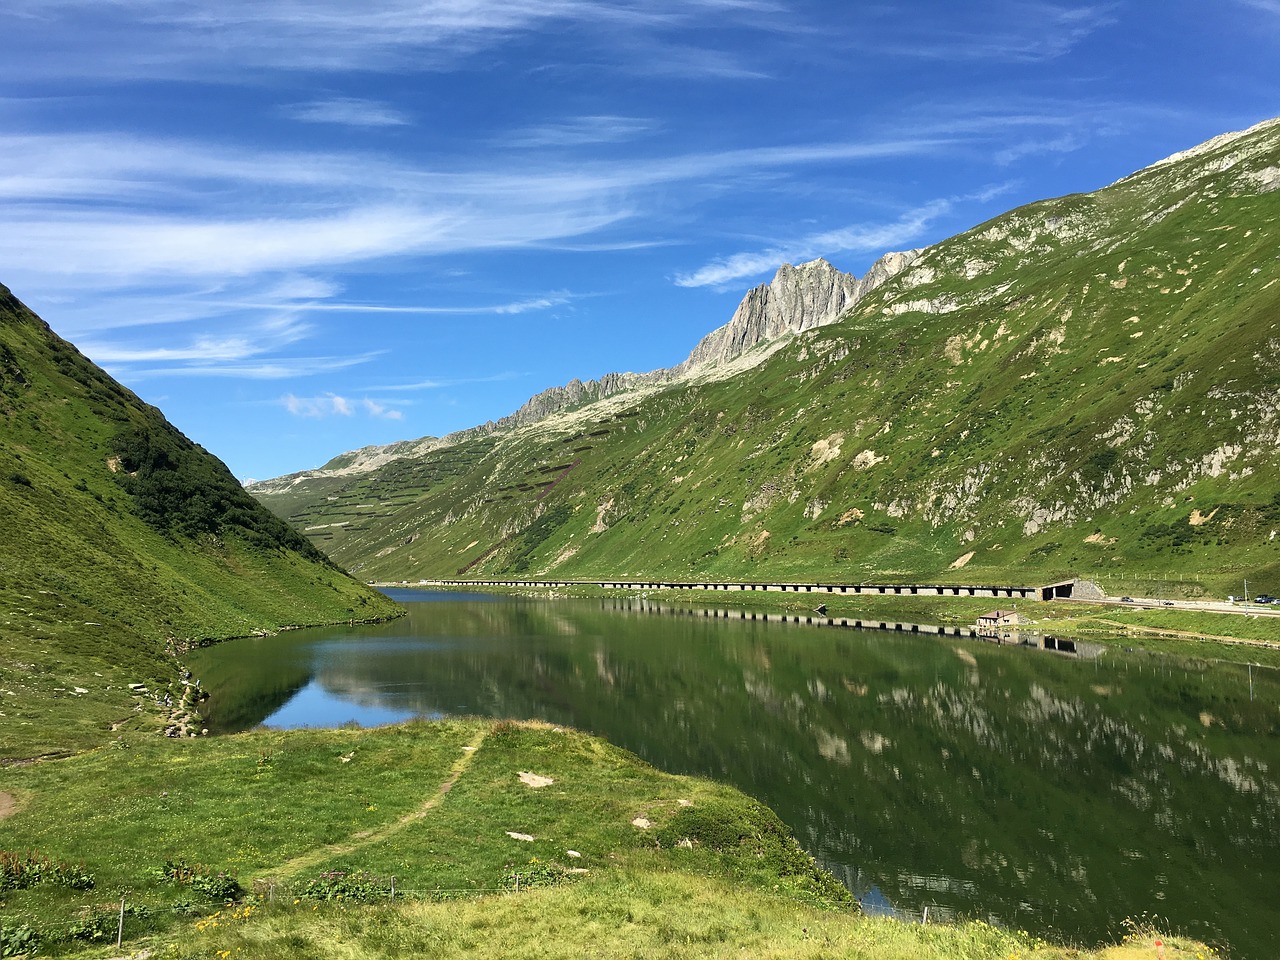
(503,839)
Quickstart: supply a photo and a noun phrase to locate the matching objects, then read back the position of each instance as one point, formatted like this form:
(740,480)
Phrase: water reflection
(1055,794)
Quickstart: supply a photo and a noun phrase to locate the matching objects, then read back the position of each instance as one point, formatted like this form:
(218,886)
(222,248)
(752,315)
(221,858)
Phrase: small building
(997,619)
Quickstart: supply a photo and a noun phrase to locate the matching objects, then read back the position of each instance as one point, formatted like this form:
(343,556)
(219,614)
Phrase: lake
(1054,794)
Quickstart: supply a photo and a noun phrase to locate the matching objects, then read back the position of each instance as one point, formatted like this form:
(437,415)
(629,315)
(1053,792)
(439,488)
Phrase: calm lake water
(1052,794)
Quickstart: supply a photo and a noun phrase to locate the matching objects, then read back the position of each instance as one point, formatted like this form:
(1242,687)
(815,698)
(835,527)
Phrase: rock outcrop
(798,298)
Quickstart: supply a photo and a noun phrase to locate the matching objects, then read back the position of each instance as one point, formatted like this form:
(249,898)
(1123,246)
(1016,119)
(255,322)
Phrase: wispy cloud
(284,368)
(1064,144)
(167,38)
(861,238)
(346,111)
(262,337)
(1266,6)
(1013,30)
(332,404)
(91,215)
(498,309)
(442,383)
(580,131)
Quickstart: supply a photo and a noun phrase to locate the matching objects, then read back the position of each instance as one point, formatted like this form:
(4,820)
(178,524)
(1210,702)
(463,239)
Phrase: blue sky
(304,226)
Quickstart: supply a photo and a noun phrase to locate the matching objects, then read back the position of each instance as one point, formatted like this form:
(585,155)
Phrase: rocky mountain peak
(798,298)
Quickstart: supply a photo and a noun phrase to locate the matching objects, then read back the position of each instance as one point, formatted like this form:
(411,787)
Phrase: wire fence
(138,913)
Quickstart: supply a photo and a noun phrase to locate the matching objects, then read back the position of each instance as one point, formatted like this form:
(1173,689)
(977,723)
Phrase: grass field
(503,839)
(122,543)
(1084,386)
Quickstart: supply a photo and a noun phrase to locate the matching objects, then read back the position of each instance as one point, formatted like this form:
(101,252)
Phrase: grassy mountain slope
(122,542)
(483,865)
(1083,386)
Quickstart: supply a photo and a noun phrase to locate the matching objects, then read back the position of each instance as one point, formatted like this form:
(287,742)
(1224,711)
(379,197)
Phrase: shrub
(180,489)
(19,871)
(536,874)
(18,941)
(342,885)
(201,879)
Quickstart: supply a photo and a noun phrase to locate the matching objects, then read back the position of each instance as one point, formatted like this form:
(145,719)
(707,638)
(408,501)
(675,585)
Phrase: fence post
(120,928)
(393,888)
(925,918)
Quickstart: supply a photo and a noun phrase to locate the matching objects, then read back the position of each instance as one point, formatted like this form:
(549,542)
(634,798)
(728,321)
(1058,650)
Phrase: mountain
(1088,385)
(123,542)
(798,298)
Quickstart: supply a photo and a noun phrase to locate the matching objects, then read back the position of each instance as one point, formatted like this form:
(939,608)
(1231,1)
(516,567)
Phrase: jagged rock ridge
(1082,384)
(798,298)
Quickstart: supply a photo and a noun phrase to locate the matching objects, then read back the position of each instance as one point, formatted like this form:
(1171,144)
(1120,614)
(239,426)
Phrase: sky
(305,226)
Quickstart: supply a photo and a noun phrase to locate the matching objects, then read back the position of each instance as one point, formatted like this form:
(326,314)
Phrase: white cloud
(282,368)
(1026,148)
(332,404)
(172,38)
(93,217)
(347,111)
(580,131)
(1014,30)
(381,411)
(514,307)
(439,384)
(877,238)
(265,335)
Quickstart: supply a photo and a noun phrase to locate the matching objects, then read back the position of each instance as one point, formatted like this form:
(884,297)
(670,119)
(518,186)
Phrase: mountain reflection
(1054,794)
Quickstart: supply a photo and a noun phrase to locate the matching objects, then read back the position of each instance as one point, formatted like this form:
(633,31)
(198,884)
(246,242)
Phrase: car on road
(1126,599)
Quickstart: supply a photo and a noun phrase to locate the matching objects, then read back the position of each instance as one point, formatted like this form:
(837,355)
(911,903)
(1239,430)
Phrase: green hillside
(1084,386)
(122,543)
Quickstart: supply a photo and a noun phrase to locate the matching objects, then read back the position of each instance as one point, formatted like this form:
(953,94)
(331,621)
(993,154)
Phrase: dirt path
(369,837)
(8,804)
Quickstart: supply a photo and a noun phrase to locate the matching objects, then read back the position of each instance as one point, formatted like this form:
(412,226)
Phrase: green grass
(1099,403)
(644,913)
(124,543)
(432,804)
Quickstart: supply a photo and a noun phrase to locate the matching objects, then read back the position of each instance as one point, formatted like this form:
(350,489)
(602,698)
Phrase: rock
(798,298)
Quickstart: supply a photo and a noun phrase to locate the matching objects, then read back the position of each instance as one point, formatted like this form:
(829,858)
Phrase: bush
(19,871)
(18,941)
(180,489)
(201,879)
(101,924)
(96,925)
(340,885)
(536,874)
